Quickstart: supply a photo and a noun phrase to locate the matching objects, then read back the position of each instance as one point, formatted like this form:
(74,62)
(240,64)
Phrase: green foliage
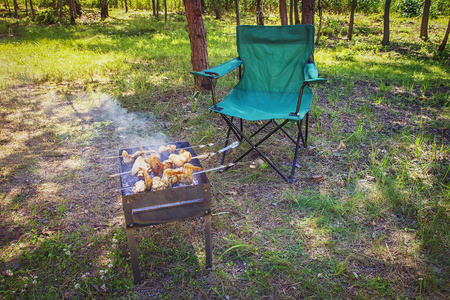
(45,17)
(410,8)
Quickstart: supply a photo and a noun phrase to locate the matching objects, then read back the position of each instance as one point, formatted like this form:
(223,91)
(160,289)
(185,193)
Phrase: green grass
(368,216)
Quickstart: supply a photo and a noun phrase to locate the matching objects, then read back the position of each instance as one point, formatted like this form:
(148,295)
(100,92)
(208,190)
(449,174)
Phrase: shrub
(45,17)
(410,8)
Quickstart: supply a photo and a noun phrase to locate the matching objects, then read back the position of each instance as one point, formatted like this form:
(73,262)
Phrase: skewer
(231,146)
(194,173)
(154,151)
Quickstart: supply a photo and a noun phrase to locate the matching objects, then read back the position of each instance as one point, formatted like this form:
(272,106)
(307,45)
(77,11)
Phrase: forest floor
(368,216)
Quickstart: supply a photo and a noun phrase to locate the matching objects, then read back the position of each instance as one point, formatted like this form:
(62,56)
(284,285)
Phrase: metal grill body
(163,206)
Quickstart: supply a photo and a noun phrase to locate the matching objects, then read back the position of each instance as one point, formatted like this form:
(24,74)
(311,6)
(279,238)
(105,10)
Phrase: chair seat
(261,105)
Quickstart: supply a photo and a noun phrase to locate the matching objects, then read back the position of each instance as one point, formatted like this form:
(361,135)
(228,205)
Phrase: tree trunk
(16,9)
(165,11)
(32,10)
(126,6)
(425,17)
(308,7)
(104,10)
(296,15)
(72,11)
(238,15)
(157,9)
(352,20)
(26,8)
(216,9)
(291,12)
(78,10)
(320,8)
(283,12)
(197,36)
(259,12)
(154,8)
(8,7)
(444,41)
(387,8)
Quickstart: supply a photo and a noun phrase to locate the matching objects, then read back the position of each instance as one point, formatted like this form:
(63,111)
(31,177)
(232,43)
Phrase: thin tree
(126,6)
(387,8)
(154,8)
(72,11)
(308,7)
(104,10)
(16,9)
(33,15)
(157,9)
(259,12)
(296,14)
(216,10)
(319,29)
(197,36)
(444,41)
(165,11)
(26,8)
(283,12)
(238,15)
(352,20)
(291,12)
(425,17)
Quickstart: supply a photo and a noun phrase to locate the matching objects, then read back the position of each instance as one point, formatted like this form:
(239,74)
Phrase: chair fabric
(274,59)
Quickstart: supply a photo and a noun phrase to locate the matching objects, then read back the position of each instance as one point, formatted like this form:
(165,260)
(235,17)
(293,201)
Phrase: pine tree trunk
(33,15)
(216,9)
(308,7)
(320,8)
(425,18)
(238,15)
(352,20)
(165,11)
(296,14)
(104,10)
(386,32)
(283,12)
(291,12)
(16,9)
(444,41)
(197,36)
(259,12)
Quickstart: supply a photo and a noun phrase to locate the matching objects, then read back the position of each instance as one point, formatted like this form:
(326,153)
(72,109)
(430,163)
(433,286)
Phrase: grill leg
(208,246)
(131,236)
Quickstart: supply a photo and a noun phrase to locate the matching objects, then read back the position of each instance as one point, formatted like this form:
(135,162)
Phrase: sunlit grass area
(368,215)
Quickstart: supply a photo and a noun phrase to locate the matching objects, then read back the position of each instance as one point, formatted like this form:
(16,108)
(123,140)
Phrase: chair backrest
(274,56)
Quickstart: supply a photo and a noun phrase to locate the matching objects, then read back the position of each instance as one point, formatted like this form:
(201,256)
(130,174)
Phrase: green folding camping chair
(273,86)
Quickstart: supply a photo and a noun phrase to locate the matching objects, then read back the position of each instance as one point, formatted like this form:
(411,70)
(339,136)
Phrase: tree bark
(259,12)
(16,9)
(308,7)
(165,11)
(238,15)
(216,9)
(157,9)
(386,31)
(72,11)
(296,15)
(283,12)
(33,16)
(352,20)
(126,6)
(26,8)
(425,18)
(154,8)
(444,41)
(320,8)
(291,12)
(104,10)
(197,36)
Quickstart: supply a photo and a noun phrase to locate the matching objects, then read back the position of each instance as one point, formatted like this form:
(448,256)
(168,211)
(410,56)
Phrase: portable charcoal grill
(155,207)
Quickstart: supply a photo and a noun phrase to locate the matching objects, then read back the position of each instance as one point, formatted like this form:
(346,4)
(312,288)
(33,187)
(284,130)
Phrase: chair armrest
(311,73)
(219,70)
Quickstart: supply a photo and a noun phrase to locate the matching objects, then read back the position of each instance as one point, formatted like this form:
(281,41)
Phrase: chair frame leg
(238,132)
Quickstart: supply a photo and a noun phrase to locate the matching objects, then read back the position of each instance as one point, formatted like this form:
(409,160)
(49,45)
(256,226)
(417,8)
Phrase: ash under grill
(162,206)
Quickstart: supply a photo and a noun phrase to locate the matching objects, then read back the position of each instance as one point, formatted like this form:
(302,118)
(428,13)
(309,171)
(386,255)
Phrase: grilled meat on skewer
(138,165)
(180,159)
